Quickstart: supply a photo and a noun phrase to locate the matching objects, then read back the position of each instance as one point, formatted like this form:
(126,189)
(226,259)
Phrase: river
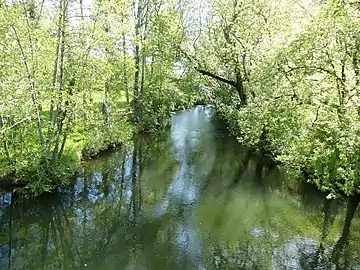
(190,197)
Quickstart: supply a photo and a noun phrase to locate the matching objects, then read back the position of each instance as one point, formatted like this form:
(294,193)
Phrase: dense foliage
(285,75)
(72,75)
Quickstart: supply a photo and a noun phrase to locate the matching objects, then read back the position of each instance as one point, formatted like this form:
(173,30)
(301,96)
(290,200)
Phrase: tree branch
(208,73)
(216,77)
(14,125)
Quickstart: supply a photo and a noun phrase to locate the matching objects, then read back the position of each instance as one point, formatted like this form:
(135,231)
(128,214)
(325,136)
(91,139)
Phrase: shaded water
(188,198)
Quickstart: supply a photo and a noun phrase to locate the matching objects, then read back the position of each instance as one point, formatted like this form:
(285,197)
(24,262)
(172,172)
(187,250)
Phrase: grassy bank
(37,173)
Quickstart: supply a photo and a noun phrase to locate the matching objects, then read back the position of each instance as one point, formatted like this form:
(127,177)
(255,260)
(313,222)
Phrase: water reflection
(188,198)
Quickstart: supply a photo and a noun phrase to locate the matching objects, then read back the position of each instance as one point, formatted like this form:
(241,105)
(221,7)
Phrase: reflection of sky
(289,255)
(188,130)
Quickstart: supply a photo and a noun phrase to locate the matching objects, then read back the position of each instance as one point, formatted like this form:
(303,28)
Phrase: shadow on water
(187,198)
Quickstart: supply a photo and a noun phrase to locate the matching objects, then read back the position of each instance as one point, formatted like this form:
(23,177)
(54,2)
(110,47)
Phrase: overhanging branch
(205,72)
(216,77)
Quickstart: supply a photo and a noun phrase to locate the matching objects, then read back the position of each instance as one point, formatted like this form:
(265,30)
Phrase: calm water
(188,198)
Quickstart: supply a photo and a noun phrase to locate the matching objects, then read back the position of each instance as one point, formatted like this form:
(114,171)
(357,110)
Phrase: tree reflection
(343,241)
(98,216)
(223,207)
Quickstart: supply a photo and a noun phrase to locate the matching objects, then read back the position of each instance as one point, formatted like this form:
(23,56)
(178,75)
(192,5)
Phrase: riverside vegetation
(285,75)
(74,75)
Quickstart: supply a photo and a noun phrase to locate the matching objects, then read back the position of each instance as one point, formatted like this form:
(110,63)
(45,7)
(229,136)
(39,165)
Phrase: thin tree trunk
(143,59)
(141,110)
(240,89)
(60,112)
(67,131)
(106,105)
(83,45)
(55,72)
(125,70)
(29,29)
(137,61)
(6,148)
(82,14)
(357,74)
(7,152)
(32,87)
(41,9)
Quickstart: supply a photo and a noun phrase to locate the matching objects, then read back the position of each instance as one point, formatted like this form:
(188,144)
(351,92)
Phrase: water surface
(187,198)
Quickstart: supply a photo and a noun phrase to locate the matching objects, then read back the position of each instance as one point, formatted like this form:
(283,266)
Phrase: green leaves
(69,69)
(304,73)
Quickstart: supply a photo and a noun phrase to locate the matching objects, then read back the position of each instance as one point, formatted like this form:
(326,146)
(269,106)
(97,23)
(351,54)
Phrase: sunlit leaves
(305,75)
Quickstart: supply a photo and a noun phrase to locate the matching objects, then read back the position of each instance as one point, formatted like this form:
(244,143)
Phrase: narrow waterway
(187,198)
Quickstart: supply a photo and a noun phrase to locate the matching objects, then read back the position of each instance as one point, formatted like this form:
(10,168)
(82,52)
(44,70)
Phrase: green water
(188,198)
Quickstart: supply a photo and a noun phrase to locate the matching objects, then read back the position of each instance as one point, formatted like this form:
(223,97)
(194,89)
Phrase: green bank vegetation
(79,76)
(284,74)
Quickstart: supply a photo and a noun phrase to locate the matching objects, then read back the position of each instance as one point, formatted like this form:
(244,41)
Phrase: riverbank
(43,175)
(192,195)
(83,144)
(319,154)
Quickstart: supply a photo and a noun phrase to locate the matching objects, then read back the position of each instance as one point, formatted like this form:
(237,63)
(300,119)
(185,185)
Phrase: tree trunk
(125,70)
(136,99)
(106,105)
(61,114)
(6,148)
(355,63)
(240,89)
(237,84)
(67,131)
(55,72)
(32,87)
(143,58)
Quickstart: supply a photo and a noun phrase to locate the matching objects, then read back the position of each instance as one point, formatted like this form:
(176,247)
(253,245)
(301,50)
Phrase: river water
(187,198)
